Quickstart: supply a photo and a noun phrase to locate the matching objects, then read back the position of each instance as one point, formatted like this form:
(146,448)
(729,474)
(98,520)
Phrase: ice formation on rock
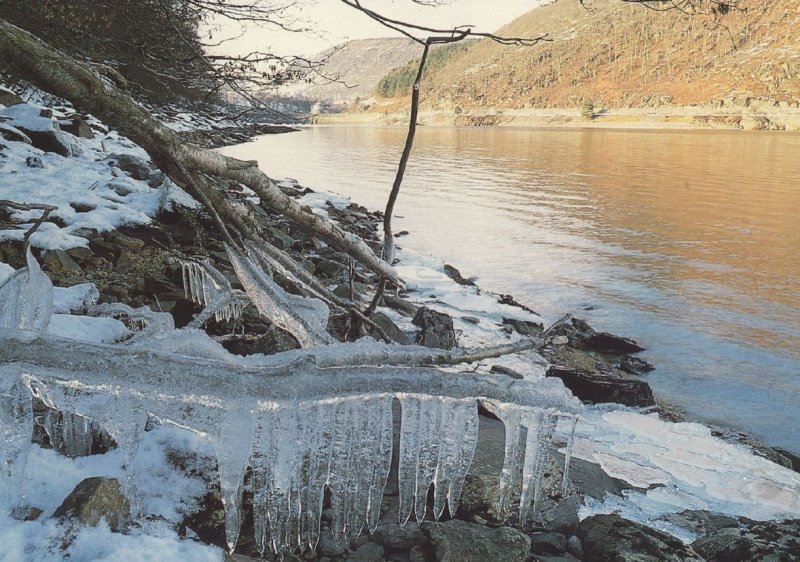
(207,286)
(26,298)
(300,428)
(305,318)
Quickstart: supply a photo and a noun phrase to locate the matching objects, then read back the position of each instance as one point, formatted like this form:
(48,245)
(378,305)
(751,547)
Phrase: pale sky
(336,23)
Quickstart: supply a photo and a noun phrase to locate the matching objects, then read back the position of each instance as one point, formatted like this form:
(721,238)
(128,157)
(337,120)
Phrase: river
(688,241)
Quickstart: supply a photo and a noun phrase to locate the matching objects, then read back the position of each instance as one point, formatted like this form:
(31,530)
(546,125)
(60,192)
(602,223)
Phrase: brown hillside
(624,55)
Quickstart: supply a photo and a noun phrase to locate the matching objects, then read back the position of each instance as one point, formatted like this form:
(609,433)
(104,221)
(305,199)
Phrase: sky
(336,23)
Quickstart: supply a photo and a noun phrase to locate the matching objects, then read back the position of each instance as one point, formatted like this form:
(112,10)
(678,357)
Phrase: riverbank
(625,459)
(756,116)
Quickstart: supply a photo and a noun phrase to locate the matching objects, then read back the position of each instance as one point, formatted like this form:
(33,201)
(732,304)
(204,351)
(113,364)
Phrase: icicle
(305,318)
(459,432)
(16,426)
(541,424)
(511,416)
(568,452)
(233,444)
(26,298)
(68,432)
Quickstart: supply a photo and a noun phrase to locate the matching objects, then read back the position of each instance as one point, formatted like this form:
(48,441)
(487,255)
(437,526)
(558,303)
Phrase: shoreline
(756,117)
(132,264)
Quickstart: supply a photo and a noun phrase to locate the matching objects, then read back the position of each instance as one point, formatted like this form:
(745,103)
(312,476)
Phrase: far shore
(758,117)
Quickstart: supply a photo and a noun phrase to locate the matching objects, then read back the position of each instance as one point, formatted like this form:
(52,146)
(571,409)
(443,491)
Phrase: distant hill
(621,55)
(359,65)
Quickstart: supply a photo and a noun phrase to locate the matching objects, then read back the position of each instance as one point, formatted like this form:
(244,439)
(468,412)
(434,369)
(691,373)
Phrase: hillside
(623,55)
(358,65)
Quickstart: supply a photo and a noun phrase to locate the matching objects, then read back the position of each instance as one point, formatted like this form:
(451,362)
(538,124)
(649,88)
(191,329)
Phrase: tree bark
(29,58)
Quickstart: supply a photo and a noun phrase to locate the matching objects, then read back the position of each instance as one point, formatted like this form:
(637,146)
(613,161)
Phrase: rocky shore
(139,265)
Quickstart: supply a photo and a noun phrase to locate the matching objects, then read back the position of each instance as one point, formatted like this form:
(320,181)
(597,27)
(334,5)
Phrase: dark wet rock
(599,387)
(575,547)
(95,499)
(471,319)
(183,312)
(34,162)
(524,327)
(559,515)
(634,365)
(422,554)
(343,291)
(548,543)
(368,552)
(455,275)
(436,329)
(328,547)
(610,537)
(459,541)
(398,538)
(274,340)
(700,522)
(583,336)
(391,329)
(329,269)
(500,370)
(754,541)
(511,301)
(589,479)
(401,305)
(791,461)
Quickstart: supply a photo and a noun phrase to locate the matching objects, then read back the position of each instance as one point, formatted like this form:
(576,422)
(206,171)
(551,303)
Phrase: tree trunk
(29,58)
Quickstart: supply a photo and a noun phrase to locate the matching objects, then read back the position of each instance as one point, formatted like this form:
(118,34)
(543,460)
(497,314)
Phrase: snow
(87,328)
(106,197)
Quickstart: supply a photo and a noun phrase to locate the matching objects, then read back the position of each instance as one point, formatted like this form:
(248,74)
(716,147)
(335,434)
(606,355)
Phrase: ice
(16,425)
(540,427)
(437,442)
(304,428)
(26,298)
(304,318)
(205,285)
(75,298)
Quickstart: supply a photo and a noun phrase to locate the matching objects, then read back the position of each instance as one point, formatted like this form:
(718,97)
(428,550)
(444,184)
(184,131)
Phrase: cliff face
(622,55)
(358,65)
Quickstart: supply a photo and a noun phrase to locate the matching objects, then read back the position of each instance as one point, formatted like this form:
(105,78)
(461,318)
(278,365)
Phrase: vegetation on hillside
(400,80)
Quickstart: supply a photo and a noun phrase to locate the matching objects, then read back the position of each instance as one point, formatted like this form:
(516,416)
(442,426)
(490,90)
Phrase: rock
(471,319)
(391,329)
(700,523)
(26,513)
(343,291)
(500,370)
(792,460)
(510,301)
(561,515)
(459,541)
(436,329)
(455,275)
(548,543)
(59,264)
(421,554)
(600,387)
(400,305)
(583,336)
(634,365)
(575,547)
(610,537)
(8,98)
(34,162)
(398,538)
(76,126)
(754,541)
(524,327)
(44,133)
(94,499)
(589,479)
(369,552)
(329,269)
(560,340)
(135,167)
(328,547)
(274,340)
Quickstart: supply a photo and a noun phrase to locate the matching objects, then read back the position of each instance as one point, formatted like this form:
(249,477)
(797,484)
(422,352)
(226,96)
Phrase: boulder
(548,543)
(600,387)
(455,275)
(583,336)
(752,541)
(610,537)
(7,97)
(43,132)
(395,537)
(391,329)
(368,552)
(524,327)
(436,329)
(59,265)
(94,499)
(459,541)
(634,365)
(400,305)
(75,125)
(133,166)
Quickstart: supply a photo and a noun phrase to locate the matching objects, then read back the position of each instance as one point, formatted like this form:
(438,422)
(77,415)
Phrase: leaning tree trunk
(29,58)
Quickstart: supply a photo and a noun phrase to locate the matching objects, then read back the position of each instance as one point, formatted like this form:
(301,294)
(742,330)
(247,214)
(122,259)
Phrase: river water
(688,241)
